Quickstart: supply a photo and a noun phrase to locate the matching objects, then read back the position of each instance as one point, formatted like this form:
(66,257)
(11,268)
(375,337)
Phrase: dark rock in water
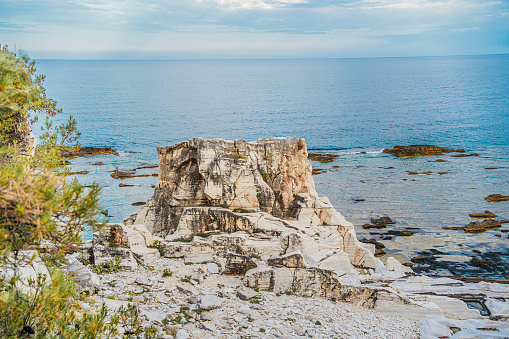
(380,253)
(465,155)
(378,245)
(415,150)
(478,226)
(98,163)
(316,171)
(74,152)
(485,215)
(121,174)
(497,198)
(482,263)
(139,203)
(358,200)
(423,259)
(382,220)
(323,158)
(237,264)
(438,160)
(148,166)
(124,185)
(75,173)
(401,233)
(124,175)
(369,226)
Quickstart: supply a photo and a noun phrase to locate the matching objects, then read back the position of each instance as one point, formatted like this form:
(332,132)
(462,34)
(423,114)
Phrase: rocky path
(195,301)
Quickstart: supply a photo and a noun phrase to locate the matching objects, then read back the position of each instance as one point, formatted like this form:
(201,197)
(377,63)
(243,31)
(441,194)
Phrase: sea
(353,108)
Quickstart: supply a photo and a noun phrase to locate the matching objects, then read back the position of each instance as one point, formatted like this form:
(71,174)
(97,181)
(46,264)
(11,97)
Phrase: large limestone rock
(127,242)
(248,199)
(263,175)
(315,282)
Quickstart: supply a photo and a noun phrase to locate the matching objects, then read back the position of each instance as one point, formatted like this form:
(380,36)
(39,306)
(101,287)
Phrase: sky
(240,29)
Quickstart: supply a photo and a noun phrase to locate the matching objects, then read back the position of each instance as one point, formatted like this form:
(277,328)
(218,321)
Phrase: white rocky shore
(198,301)
(236,243)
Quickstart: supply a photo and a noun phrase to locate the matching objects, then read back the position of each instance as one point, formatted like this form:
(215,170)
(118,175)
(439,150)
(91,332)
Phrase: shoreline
(420,240)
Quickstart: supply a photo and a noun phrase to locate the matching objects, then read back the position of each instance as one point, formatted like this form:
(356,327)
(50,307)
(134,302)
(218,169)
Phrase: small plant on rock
(108,266)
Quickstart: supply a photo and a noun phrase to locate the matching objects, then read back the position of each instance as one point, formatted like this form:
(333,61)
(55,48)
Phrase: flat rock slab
(247,294)
(199,257)
(211,302)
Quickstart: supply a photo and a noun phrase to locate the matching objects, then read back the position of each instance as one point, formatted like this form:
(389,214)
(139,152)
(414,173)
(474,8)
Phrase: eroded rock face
(251,199)
(263,175)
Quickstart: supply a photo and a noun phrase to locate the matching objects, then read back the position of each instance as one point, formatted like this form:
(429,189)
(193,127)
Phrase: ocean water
(350,107)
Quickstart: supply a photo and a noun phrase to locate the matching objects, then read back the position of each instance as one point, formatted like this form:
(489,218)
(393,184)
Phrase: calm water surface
(350,107)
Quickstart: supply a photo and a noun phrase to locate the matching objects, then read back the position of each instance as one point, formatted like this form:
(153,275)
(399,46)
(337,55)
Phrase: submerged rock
(478,226)
(74,152)
(415,150)
(497,198)
(485,215)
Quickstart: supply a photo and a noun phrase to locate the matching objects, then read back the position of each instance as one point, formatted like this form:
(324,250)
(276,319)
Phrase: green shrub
(108,266)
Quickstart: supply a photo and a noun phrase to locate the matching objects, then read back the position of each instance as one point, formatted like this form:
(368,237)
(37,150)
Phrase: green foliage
(265,175)
(240,156)
(21,92)
(55,260)
(38,204)
(48,313)
(167,273)
(108,266)
(241,210)
(203,235)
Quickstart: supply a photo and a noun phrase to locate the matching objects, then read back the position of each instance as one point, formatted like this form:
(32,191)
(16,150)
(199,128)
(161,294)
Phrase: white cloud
(252,4)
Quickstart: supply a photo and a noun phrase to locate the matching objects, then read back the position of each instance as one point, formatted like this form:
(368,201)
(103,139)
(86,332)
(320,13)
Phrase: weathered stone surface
(290,260)
(246,294)
(237,264)
(315,282)
(199,257)
(230,187)
(393,264)
(263,175)
(103,254)
(210,302)
(29,267)
(86,280)
(415,150)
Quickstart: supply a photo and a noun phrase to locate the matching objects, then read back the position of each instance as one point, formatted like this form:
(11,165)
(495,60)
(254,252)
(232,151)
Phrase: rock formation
(256,200)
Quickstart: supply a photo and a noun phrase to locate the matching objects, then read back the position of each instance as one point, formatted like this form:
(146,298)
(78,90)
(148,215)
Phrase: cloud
(255,27)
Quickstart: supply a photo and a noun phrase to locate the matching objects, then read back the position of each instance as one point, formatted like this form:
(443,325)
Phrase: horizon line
(281,59)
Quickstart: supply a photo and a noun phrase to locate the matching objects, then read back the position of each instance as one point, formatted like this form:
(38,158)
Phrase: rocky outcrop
(253,204)
(128,243)
(264,175)
(415,150)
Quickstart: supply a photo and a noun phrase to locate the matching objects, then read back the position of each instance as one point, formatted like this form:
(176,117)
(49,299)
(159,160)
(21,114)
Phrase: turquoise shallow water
(344,106)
